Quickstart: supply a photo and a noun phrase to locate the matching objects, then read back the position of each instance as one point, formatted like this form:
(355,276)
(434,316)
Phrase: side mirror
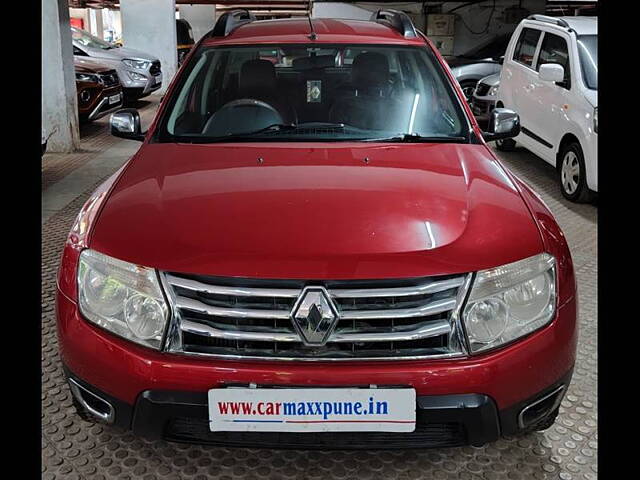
(503,123)
(125,123)
(551,72)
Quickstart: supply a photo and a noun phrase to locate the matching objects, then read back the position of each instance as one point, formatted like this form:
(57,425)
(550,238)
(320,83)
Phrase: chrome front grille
(374,319)
(482,89)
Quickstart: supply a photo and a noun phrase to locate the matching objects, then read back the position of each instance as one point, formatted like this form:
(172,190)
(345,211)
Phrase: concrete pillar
(59,102)
(202,18)
(150,26)
(97,25)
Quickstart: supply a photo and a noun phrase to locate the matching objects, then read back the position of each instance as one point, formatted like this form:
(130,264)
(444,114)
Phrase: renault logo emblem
(314,316)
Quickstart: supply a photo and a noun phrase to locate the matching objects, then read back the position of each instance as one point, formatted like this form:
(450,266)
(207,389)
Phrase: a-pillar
(59,102)
(150,26)
(202,18)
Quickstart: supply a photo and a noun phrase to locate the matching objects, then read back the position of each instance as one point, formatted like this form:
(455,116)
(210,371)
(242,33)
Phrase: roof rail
(547,19)
(229,21)
(397,20)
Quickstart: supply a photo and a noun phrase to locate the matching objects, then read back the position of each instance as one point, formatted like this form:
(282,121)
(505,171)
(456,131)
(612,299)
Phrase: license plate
(114,99)
(312,409)
(158,79)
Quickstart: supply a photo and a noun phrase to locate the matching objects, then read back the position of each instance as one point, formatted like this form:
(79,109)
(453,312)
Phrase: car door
(521,76)
(551,101)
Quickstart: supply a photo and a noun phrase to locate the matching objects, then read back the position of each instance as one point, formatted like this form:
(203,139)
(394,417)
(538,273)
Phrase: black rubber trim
(441,421)
(538,139)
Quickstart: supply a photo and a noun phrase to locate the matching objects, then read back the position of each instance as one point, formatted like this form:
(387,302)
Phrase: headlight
(595,120)
(493,91)
(121,297)
(87,77)
(508,302)
(139,64)
(136,76)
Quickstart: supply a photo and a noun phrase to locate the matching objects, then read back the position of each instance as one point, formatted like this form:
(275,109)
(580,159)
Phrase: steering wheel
(241,115)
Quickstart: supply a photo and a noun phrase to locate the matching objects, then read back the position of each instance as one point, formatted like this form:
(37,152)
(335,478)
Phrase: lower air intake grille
(377,319)
(428,435)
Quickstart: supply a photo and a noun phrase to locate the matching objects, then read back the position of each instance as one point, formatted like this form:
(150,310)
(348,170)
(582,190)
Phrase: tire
(468,87)
(506,145)
(572,174)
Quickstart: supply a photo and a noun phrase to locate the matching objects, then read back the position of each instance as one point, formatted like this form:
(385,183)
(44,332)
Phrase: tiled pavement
(74,449)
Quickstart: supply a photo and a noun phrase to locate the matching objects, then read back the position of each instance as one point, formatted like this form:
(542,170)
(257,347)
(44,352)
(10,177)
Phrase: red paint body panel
(316,211)
(508,375)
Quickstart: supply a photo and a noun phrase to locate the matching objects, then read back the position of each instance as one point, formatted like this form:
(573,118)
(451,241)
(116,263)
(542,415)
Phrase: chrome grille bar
(196,286)
(433,308)
(426,288)
(200,307)
(407,318)
(426,330)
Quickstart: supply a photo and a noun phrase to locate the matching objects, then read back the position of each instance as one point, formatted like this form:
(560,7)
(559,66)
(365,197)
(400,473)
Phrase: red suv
(314,237)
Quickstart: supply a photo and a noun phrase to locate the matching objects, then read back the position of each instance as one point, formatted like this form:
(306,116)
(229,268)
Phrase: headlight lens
(87,77)
(510,301)
(493,91)
(121,297)
(595,120)
(136,76)
(139,64)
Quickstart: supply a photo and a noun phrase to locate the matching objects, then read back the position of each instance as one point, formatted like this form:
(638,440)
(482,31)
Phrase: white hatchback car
(550,77)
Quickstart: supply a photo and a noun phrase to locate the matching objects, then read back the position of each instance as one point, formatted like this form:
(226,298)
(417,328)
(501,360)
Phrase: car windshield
(87,40)
(304,93)
(588,51)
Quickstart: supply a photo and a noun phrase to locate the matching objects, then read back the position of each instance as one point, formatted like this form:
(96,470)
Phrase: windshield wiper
(274,127)
(415,138)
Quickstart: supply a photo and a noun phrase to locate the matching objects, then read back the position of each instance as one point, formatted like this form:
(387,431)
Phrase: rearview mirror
(503,123)
(551,72)
(125,123)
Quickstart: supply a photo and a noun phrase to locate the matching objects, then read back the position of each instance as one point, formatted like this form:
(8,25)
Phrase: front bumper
(126,372)
(441,420)
(104,105)
(138,88)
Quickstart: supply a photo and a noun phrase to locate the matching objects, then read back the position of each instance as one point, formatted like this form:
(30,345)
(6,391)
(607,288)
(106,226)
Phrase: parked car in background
(139,73)
(98,89)
(484,96)
(317,251)
(184,36)
(478,62)
(550,77)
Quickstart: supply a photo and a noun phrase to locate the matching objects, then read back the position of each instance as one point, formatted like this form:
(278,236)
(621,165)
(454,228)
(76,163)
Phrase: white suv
(550,77)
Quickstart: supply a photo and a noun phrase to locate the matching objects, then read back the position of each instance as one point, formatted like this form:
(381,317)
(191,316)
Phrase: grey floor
(75,449)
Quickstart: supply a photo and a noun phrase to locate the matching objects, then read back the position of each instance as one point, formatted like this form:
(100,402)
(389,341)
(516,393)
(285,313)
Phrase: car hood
(461,61)
(89,65)
(117,54)
(315,211)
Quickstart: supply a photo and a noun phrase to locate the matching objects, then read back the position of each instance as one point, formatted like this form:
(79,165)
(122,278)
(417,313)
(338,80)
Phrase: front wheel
(573,174)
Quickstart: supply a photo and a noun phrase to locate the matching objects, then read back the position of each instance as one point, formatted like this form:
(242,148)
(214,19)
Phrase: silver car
(478,62)
(484,96)
(139,73)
